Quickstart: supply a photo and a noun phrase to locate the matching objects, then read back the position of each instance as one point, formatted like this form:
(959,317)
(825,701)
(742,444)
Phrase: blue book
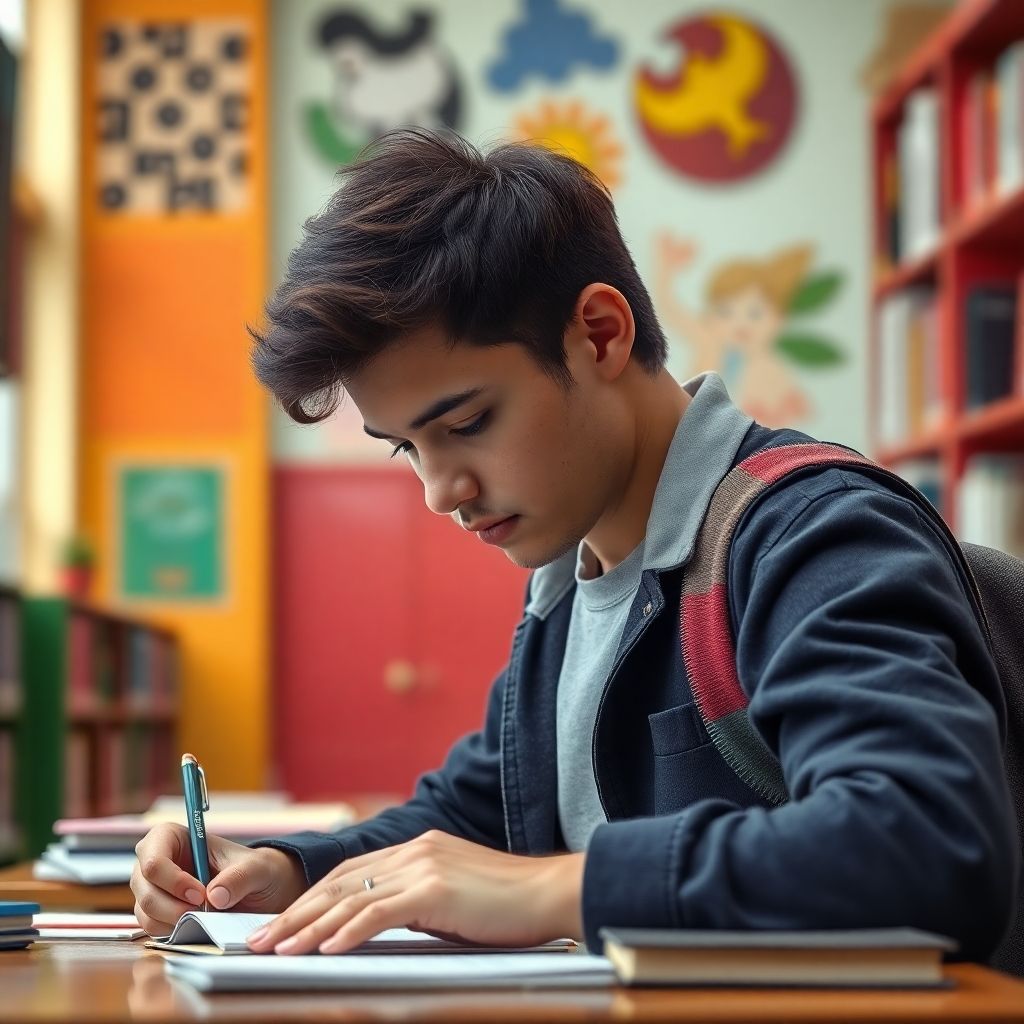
(15,908)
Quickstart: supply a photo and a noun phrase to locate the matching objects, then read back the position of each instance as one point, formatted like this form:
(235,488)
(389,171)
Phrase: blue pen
(197,800)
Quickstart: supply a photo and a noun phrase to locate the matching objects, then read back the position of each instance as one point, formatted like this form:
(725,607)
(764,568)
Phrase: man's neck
(660,405)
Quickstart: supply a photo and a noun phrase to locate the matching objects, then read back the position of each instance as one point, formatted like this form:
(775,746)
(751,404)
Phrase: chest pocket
(687,765)
(677,730)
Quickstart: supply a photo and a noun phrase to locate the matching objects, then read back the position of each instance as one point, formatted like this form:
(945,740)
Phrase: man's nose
(445,489)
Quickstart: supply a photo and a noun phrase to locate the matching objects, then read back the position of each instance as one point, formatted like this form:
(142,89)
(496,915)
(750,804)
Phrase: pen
(197,800)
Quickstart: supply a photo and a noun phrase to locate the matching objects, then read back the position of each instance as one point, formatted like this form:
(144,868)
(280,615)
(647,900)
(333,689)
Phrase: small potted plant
(76,562)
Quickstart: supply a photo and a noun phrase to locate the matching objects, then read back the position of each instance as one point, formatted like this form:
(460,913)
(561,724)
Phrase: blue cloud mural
(549,42)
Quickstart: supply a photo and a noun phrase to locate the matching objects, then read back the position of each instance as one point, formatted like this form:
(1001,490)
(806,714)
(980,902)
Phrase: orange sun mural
(571,129)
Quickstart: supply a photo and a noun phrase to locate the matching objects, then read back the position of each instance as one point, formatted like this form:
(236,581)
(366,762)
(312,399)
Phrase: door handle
(400,676)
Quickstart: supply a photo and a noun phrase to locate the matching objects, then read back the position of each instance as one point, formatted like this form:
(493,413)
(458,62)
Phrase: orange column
(174,263)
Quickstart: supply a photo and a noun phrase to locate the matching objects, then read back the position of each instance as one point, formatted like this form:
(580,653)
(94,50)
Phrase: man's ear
(603,326)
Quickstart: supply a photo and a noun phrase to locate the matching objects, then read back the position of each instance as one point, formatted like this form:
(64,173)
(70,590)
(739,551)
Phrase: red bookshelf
(979,241)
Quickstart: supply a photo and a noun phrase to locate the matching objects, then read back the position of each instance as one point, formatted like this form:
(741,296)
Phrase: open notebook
(224,934)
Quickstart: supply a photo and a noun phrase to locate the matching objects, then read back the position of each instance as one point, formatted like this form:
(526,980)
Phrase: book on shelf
(990,502)
(10,654)
(1009,78)
(910,398)
(990,321)
(926,476)
(10,833)
(860,958)
(917,146)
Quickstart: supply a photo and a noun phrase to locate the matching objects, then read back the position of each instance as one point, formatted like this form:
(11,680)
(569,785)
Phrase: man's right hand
(259,881)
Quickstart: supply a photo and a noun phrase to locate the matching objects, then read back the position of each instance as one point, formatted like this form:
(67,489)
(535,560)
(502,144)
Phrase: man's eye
(473,428)
(405,446)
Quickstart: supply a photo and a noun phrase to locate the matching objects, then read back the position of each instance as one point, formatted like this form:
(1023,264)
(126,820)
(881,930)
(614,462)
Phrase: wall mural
(548,43)
(751,329)
(726,108)
(382,80)
(572,129)
(172,117)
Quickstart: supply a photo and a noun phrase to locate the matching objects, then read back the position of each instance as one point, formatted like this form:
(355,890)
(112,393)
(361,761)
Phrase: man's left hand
(439,884)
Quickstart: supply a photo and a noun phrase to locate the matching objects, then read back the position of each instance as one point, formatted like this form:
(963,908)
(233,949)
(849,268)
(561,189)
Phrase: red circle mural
(728,109)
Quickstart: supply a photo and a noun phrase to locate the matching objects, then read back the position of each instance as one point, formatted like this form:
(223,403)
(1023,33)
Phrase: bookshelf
(11,700)
(99,716)
(947,343)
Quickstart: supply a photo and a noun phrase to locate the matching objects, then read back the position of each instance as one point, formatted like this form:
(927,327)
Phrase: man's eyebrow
(438,408)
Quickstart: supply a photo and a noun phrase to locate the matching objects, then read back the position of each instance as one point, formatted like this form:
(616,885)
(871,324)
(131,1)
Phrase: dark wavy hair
(426,230)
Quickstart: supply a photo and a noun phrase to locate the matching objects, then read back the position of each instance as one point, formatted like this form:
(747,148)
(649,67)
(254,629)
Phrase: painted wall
(813,195)
(170,277)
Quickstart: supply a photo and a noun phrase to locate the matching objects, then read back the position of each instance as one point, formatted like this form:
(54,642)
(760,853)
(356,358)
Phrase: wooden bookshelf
(100,715)
(980,242)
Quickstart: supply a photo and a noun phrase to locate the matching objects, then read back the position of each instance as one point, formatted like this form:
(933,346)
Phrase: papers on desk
(224,934)
(391,971)
(61,865)
(101,851)
(61,927)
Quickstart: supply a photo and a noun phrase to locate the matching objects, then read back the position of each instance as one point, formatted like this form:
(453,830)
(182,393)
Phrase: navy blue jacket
(868,676)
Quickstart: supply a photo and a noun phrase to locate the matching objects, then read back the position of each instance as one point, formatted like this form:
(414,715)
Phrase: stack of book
(101,851)
(16,931)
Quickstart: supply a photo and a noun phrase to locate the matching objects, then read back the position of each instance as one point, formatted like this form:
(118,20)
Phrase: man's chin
(526,559)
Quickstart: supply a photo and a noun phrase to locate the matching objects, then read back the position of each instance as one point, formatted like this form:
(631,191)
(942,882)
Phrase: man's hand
(257,881)
(438,884)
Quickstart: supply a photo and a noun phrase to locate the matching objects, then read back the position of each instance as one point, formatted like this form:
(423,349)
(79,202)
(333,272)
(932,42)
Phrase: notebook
(16,929)
(868,958)
(224,934)
(392,972)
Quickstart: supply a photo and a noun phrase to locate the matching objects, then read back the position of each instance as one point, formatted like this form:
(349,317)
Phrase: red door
(390,625)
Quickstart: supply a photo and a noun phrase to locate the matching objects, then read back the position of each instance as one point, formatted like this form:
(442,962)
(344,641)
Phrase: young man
(484,315)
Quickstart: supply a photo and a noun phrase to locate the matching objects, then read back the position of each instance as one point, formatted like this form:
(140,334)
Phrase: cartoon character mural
(749,330)
(382,80)
(727,107)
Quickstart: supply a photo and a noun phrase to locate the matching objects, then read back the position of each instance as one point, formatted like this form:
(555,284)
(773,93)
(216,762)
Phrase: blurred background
(825,198)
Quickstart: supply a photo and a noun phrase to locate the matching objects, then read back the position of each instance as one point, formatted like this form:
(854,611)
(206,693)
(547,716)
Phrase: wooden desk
(120,981)
(17,883)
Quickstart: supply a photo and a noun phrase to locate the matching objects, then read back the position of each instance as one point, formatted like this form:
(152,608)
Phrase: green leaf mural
(810,351)
(815,292)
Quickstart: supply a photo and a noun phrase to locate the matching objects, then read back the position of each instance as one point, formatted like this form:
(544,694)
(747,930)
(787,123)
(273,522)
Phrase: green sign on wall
(172,532)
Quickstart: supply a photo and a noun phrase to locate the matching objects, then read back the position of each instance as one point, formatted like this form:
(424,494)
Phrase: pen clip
(204,795)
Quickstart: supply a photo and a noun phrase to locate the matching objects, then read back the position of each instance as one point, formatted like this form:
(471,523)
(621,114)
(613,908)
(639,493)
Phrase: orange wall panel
(165,379)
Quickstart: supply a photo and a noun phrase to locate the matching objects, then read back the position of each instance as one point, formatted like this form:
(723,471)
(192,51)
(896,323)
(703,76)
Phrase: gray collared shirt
(702,450)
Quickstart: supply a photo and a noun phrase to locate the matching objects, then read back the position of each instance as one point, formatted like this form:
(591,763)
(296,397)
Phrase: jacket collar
(702,451)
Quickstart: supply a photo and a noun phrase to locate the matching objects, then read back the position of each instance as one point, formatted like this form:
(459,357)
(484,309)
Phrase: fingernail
(194,896)
(287,945)
(219,897)
(258,936)
(329,945)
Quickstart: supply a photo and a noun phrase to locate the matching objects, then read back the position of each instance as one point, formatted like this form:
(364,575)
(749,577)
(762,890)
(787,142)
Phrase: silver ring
(367,884)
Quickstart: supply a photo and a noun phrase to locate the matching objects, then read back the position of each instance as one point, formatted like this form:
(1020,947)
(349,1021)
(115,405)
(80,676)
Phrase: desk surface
(121,981)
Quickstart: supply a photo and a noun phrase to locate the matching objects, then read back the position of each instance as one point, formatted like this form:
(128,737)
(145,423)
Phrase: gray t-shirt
(599,610)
